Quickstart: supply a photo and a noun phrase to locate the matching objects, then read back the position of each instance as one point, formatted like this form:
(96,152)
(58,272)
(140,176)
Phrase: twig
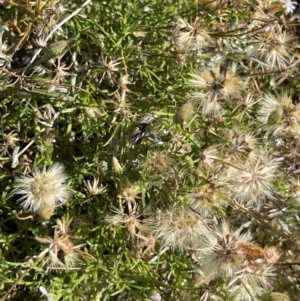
(21,218)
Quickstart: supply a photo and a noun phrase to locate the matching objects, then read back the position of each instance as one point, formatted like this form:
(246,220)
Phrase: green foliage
(203,205)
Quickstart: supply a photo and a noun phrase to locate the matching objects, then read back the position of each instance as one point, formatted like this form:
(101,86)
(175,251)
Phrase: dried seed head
(251,281)
(179,228)
(93,187)
(274,48)
(10,141)
(124,81)
(215,86)
(61,252)
(279,114)
(191,37)
(238,145)
(208,199)
(44,187)
(162,163)
(130,191)
(265,10)
(253,180)
(60,10)
(221,249)
(109,66)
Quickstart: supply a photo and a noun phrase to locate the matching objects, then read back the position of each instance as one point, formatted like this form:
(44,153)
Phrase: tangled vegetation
(149,150)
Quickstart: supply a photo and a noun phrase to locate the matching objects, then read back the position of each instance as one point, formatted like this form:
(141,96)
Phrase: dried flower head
(179,229)
(221,249)
(216,85)
(124,81)
(44,187)
(61,252)
(209,198)
(162,163)
(146,243)
(130,191)
(238,145)
(253,280)
(109,67)
(25,164)
(274,47)
(206,280)
(191,37)
(9,141)
(129,194)
(279,114)
(59,10)
(61,72)
(93,187)
(208,157)
(136,221)
(265,10)
(253,180)
(244,106)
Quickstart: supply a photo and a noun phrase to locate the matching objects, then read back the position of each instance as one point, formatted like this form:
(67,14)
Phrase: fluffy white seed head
(253,181)
(46,187)
(179,229)
(221,249)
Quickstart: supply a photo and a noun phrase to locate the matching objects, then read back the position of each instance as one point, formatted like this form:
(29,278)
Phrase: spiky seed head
(93,187)
(61,252)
